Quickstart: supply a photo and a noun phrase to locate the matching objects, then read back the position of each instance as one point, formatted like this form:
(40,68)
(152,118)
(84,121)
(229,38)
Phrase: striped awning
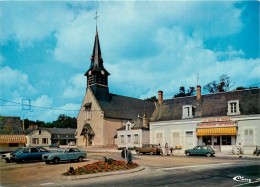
(217,131)
(16,138)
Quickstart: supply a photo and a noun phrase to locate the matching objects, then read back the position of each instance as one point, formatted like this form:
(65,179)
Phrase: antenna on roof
(198,78)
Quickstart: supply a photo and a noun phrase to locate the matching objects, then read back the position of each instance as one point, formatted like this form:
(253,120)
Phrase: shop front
(220,133)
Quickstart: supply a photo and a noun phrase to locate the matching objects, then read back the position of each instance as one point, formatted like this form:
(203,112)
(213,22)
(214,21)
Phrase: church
(102,112)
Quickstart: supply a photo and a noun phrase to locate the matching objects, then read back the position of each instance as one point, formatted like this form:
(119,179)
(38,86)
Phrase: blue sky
(45,49)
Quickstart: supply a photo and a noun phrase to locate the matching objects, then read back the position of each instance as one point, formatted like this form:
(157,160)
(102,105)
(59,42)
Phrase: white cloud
(42,101)
(12,79)
(75,87)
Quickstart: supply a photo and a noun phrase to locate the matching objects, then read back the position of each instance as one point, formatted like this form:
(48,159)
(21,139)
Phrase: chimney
(160,97)
(145,121)
(198,92)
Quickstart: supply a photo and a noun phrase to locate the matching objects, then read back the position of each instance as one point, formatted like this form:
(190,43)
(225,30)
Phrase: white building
(134,134)
(221,120)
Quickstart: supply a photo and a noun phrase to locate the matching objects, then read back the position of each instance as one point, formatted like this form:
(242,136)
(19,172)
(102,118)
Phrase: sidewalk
(177,153)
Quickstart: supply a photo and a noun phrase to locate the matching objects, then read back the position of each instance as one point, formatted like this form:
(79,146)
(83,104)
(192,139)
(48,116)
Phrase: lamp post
(23,119)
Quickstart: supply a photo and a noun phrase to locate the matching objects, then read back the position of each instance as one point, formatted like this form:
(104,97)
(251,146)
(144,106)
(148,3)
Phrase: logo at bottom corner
(241,179)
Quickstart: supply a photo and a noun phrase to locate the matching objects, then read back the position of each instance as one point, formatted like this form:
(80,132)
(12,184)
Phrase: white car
(10,157)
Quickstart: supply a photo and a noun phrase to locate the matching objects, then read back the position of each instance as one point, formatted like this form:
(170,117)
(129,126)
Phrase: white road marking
(47,183)
(194,166)
(255,181)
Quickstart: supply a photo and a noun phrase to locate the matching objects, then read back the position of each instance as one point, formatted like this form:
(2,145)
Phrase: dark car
(149,149)
(30,153)
(9,157)
(200,150)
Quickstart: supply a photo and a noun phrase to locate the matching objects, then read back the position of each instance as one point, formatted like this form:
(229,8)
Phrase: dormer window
(128,127)
(187,111)
(233,107)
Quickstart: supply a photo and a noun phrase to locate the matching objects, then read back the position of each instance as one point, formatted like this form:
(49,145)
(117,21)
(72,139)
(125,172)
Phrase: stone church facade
(102,112)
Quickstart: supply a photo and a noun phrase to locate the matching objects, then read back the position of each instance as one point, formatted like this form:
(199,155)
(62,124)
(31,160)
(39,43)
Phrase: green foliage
(153,99)
(223,84)
(184,93)
(62,121)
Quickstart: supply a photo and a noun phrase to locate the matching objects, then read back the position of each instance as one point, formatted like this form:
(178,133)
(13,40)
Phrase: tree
(183,93)
(243,88)
(64,121)
(153,99)
(223,84)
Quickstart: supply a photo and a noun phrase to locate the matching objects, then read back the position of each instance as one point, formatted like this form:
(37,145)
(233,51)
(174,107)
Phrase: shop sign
(222,124)
(215,120)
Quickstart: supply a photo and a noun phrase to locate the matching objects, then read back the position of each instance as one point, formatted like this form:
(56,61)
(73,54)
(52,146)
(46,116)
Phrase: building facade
(47,136)
(11,134)
(102,112)
(134,133)
(222,120)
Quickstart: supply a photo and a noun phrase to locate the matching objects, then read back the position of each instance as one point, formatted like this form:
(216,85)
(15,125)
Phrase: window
(45,141)
(206,140)
(159,138)
(187,111)
(189,133)
(122,139)
(13,145)
(40,132)
(249,137)
(176,139)
(128,127)
(128,138)
(233,107)
(35,141)
(226,140)
(136,139)
(34,150)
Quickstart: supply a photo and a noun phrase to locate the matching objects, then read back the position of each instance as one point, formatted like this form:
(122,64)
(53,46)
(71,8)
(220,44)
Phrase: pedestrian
(240,151)
(171,150)
(166,149)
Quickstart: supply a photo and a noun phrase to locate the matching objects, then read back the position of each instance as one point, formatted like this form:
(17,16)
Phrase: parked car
(66,154)
(9,157)
(149,149)
(54,145)
(200,150)
(257,151)
(29,153)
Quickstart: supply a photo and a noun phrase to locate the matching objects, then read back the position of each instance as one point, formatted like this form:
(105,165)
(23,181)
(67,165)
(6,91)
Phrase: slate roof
(55,130)
(138,124)
(10,125)
(122,107)
(210,105)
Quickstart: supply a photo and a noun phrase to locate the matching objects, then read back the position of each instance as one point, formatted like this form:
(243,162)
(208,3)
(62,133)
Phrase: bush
(100,166)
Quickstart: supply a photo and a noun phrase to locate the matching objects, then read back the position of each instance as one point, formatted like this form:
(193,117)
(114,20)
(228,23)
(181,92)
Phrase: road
(160,171)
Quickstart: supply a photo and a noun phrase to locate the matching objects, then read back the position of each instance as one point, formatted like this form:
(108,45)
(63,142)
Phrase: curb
(103,174)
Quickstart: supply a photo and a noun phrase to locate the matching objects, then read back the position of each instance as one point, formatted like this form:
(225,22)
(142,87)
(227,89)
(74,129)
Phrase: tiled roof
(209,105)
(123,107)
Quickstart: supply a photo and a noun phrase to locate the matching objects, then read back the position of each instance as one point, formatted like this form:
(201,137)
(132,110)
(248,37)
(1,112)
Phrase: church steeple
(97,75)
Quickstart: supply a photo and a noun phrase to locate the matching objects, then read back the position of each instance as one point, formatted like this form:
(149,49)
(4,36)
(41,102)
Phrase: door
(216,143)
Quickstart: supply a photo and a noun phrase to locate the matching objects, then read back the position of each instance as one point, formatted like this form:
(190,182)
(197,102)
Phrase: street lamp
(23,119)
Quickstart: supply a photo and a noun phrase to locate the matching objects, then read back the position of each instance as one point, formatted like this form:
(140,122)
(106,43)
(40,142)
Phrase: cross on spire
(96,17)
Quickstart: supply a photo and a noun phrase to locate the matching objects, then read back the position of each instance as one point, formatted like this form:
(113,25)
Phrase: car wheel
(187,154)
(151,153)
(56,160)
(80,159)
(208,154)
(47,162)
(7,160)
